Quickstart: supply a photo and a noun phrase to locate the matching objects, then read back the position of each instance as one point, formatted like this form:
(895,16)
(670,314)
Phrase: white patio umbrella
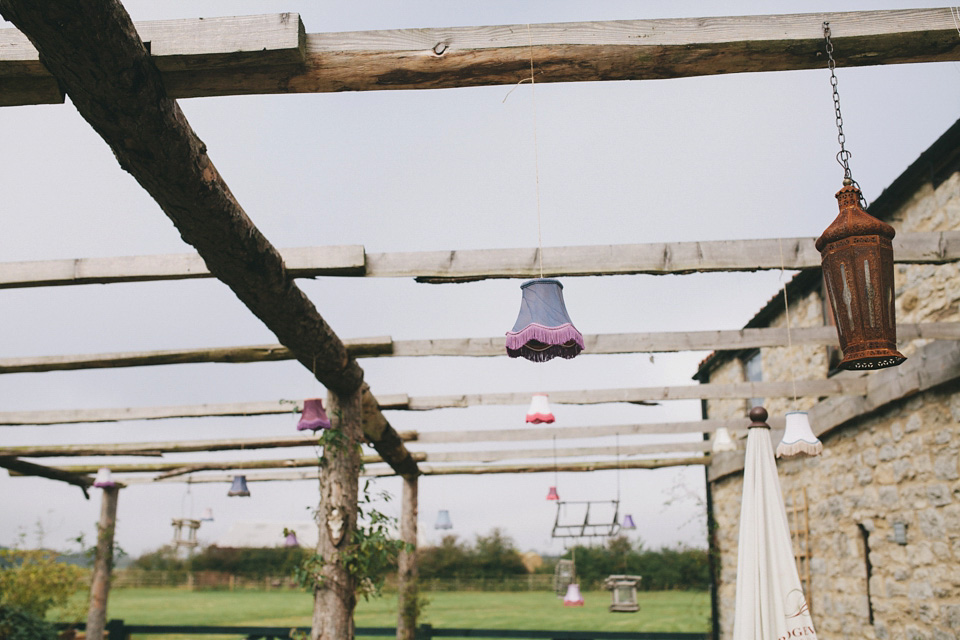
(770,601)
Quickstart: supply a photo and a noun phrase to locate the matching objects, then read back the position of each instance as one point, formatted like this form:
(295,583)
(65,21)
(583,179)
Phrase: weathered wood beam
(529,434)
(408,604)
(182,468)
(102,564)
(435,58)
(384,346)
(428,470)
(116,87)
(660,258)
(24,468)
(934,364)
(838,385)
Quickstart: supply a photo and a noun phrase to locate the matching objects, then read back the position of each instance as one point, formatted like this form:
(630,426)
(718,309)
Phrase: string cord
(536,153)
(786,308)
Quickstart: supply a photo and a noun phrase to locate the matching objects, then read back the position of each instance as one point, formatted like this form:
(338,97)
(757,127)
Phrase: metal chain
(843,156)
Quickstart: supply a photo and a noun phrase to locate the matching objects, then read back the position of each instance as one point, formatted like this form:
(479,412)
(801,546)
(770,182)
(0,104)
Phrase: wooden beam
(428,470)
(384,346)
(660,258)
(434,58)
(934,364)
(838,385)
(102,565)
(408,605)
(116,87)
(24,468)
(182,468)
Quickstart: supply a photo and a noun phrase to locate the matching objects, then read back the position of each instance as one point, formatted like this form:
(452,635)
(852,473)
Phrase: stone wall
(899,464)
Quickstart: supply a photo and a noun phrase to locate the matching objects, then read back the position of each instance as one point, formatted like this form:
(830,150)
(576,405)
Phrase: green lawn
(659,610)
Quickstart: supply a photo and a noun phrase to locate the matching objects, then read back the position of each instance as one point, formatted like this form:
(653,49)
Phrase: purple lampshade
(291,540)
(313,417)
(628,522)
(543,329)
(239,487)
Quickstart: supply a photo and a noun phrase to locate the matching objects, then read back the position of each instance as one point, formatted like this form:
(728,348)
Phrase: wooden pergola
(125,85)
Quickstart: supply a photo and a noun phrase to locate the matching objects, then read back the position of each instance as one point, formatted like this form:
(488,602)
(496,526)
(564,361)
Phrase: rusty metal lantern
(857,258)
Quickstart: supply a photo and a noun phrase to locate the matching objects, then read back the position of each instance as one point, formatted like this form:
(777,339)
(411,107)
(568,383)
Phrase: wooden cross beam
(384,347)
(116,87)
(225,59)
(656,258)
(24,468)
(838,385)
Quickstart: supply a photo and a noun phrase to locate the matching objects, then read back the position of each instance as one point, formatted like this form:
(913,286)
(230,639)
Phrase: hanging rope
(556,471)
(786,308)
(536,154)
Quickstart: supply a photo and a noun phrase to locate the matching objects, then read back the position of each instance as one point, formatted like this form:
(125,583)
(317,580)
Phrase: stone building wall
(899,464)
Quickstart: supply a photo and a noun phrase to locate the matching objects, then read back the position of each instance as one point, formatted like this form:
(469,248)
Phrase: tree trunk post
(407,588)
(102,564)
(335,594)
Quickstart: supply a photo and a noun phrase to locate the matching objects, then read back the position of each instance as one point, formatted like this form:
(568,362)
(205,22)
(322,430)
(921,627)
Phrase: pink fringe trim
(547,335)
(538,418)
(785,450)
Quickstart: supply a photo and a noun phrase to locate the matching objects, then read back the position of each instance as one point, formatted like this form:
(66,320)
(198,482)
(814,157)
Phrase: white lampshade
(573,597)
(722,441)
(798,437)
(207,515)
(104,479)
(539,411)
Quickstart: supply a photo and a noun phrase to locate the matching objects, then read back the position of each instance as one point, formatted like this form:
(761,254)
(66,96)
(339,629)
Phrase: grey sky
(735,156)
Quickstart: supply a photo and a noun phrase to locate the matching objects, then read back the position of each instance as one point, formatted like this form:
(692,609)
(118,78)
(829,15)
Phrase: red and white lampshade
(539,411)
(573,598)
(314,417)
(722,441)
(798,438)
(104,480)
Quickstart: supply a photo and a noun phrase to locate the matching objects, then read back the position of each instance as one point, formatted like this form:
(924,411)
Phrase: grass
(685,611)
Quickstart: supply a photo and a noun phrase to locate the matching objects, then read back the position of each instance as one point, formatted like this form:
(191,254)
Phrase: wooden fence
(118,630)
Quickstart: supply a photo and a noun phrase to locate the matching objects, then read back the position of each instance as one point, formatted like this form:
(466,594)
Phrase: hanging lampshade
(798,437)
(239,487)
(103,479)
(722,441)
(443,520)
(552,494)
(543,329)
(314,417)
(207,515)
(539,411)
(291,539)
(628,522)
(856,253)
(573,598)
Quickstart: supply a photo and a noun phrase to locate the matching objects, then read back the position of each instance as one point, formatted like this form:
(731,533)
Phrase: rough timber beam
(381,347)
(838,385)
(115,85)
(563,52)
(24,468)
(656,258)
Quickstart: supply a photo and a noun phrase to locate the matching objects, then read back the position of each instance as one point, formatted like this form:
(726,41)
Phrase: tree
(34,582)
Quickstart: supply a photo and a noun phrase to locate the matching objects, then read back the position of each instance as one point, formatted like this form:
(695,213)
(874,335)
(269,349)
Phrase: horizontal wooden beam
(838,385)
(434,58)
(934,364)
(181,468)
(74,416)
(428,470)
(528,434)
(384,346)
(460,266)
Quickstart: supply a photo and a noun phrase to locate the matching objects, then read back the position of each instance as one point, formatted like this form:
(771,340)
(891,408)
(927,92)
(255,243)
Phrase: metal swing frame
(586,529)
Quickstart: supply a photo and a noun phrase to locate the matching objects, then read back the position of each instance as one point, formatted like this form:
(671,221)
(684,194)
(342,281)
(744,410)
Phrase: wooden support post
(334,595)
(102,564)
(407,588)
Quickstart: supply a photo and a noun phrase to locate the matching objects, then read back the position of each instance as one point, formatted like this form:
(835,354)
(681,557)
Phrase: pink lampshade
(104,479)
(314,417)
(539,411)
(552,494)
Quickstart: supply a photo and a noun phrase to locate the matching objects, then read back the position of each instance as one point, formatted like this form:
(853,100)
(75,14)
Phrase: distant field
(687,611)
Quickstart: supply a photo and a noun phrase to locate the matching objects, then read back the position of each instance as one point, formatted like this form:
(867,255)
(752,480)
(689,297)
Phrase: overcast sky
(725,157)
